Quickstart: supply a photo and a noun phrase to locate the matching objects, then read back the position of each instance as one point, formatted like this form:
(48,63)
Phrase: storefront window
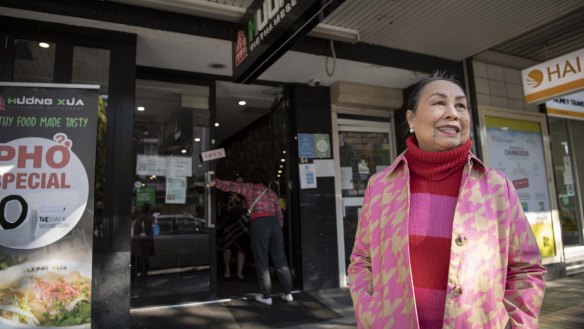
(91,66)
(34,61)
(567,194)
(171,237)
(364,149)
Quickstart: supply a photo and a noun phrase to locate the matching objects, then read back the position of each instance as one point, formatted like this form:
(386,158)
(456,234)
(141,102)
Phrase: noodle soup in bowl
(46,295)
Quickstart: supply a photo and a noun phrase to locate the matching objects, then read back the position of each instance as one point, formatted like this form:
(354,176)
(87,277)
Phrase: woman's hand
(212,183)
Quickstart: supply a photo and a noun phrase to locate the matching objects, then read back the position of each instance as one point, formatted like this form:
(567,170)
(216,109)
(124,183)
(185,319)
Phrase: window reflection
(565,182)
(363,152)
(171,129)
(34,61)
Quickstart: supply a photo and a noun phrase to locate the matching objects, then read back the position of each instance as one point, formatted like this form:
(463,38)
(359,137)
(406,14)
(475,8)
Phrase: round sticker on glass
(43,191)
(322,146)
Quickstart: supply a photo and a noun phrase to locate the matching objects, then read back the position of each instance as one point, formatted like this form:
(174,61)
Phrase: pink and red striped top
(434,186)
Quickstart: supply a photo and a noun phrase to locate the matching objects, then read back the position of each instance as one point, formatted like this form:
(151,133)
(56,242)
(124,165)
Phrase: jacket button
(460,240)
(457,291)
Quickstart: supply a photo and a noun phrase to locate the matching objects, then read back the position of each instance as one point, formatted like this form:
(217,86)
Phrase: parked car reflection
(182,242)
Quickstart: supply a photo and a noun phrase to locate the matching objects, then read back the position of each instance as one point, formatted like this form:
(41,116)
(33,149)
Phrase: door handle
(208,177)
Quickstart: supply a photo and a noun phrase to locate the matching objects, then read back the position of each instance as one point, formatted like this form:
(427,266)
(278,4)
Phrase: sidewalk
(563,308)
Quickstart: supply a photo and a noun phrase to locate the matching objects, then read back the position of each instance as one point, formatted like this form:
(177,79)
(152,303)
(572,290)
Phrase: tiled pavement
(563,304)
(563,308)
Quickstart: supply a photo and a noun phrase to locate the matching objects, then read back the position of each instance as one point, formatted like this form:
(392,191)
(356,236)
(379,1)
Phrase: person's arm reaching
(244,189)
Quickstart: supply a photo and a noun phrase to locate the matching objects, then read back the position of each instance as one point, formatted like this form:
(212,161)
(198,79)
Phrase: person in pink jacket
(442,240)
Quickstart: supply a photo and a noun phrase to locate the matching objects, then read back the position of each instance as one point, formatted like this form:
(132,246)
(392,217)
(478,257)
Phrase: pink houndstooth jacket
(495,278)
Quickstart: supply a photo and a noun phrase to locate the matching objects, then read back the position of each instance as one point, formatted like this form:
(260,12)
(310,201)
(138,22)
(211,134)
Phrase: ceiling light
(281,166)
(284,151)
(197,139)
(141,108)
(283,160)
(279,171)
(44,45)
(242,103)
(337,33)
(183,151)
(216,124)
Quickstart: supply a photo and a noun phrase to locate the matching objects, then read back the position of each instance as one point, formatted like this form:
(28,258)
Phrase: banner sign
(559,76)
(569,106)
(47,169)
(515,147)
(269,28)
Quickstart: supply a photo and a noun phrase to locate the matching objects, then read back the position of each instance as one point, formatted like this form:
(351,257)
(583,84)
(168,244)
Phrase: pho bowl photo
(46,295)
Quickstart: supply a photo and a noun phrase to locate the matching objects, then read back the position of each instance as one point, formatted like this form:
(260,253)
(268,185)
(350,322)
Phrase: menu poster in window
(176,190)
(179,167)
(515,147)
(145,195)
(47,168)
(148,165)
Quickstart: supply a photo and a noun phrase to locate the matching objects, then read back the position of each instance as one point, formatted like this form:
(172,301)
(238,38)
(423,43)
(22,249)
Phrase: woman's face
(441,121)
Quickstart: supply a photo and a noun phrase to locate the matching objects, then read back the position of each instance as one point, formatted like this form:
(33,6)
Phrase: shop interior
(180,251)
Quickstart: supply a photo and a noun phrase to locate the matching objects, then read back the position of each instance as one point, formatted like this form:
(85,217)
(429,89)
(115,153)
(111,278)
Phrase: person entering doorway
(267,239)
(234,232)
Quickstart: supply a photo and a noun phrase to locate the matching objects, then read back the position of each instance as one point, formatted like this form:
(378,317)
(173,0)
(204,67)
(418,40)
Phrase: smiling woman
(440,117)
(456,255)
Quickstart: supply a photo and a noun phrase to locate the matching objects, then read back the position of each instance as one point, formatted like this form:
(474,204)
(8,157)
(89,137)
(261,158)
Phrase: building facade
(320,143)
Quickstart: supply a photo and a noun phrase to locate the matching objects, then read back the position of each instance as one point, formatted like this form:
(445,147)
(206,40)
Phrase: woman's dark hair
(414,95)
(258,175)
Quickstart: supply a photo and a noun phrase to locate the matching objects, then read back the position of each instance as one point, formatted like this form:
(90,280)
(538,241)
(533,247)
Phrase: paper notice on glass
(324,168)
(307,175)
(179,167)
(176,190)
(148,165)
(346,178)
(322,146)
(305,145)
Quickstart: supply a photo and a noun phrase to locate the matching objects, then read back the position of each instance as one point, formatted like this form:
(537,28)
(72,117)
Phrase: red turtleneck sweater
(434,186)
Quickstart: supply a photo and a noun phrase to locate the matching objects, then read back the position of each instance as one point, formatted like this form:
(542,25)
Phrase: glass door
(365,147)
(566,182)
(172,225)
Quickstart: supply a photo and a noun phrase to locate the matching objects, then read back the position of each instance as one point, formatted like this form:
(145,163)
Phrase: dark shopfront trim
(313,210)
(174,22)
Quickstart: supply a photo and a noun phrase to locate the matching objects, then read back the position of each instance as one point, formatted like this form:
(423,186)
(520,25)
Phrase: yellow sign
(561,75)
(544,235)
